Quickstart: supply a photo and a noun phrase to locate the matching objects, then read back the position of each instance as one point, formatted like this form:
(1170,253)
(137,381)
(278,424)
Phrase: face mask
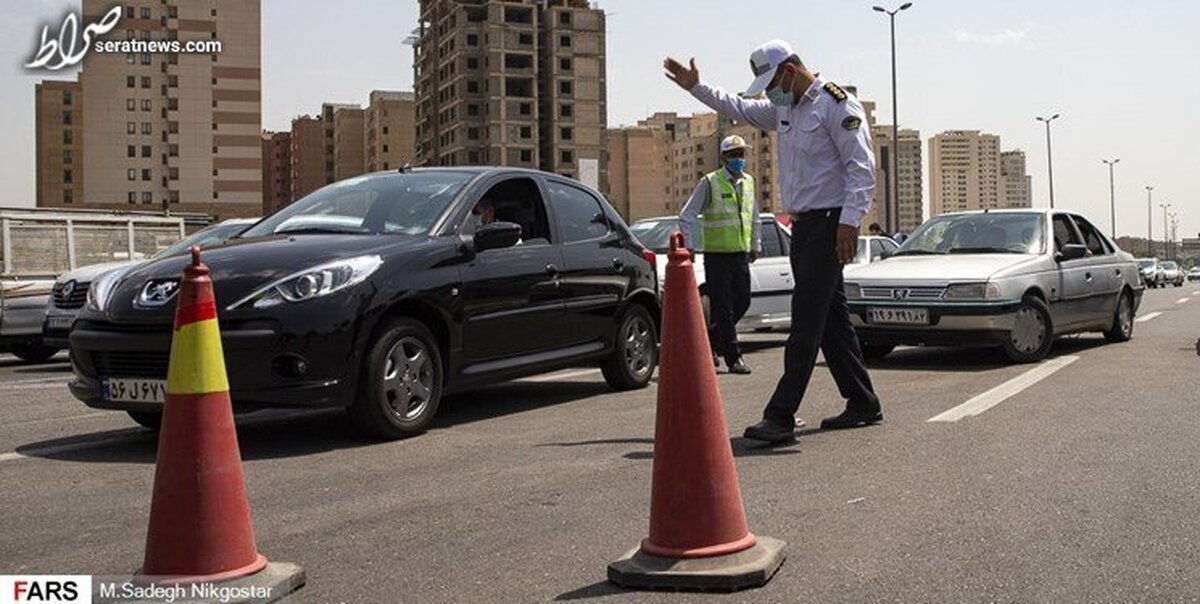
(782,96)
(737,164)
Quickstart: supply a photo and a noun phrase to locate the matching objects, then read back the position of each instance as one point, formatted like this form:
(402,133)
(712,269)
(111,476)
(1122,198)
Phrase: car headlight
(853,291)
(972,291)
(102,289)
(312,283)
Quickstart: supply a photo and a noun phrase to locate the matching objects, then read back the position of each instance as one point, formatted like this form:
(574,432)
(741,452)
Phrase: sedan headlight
(102,289)
(972,291)
(316,282)
(853,291)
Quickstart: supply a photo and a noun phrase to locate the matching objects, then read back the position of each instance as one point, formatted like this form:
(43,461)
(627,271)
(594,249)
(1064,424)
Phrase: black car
(383,292)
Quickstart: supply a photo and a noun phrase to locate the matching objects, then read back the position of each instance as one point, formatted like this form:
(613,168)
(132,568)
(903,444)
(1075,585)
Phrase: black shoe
(738,366)
(852,419)
(716,361)
(770,432)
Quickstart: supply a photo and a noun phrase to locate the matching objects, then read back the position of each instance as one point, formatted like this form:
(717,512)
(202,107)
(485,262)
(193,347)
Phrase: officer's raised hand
(685,77)
(847,243)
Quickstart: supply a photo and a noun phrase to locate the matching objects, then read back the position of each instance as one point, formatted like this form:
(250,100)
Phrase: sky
(1117,72)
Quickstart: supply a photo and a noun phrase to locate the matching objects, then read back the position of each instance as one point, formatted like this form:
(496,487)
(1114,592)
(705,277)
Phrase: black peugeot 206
(383,292)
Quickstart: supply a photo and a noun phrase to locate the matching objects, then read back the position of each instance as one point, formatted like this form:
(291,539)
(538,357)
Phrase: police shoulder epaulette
(835,91)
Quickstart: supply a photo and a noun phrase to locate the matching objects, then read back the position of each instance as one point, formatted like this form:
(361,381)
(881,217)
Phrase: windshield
(1144,263)
(398,203)
(1168,265)
(204,238)
(981,233)
(655,234)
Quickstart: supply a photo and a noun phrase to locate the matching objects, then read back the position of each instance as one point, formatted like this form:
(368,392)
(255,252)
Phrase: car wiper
(983,250)
(916,253)
(321,230)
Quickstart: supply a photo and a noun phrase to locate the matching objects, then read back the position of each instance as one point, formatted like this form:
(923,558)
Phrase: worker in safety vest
(721,219)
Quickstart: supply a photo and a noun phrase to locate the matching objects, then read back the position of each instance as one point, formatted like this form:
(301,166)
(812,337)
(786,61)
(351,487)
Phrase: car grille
(75,300)
(137,363)
(909,294)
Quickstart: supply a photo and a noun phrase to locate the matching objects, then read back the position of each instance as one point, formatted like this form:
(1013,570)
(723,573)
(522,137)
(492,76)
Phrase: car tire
(1122,326)
(401,384)
(635,351)
(147,419)
(874,352)
(1033,332)
(33,353)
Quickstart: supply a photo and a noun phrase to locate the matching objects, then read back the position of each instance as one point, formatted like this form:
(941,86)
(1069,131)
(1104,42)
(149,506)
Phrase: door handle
(551,270)
(1088,277)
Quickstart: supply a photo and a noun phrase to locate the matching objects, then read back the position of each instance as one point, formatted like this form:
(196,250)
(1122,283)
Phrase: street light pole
(1112,195)
(1049,155)
(1174,233)
(1149,221)
(1165,207)
(893,214)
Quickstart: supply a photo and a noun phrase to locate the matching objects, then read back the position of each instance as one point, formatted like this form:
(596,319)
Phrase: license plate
(899,316)
(134,390)
(60,322)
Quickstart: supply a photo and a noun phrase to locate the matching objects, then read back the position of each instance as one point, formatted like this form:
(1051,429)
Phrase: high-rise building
(911,211)
(178,130)
(59,143)
(639,183)
(1017,185)
(964,171)
(329,133)
(515,83)
(277,170)
(349,142)
(760,161)
(692,156)
(390,123)
(308,156)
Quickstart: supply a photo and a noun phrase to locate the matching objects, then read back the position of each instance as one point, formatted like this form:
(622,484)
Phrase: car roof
(762,216)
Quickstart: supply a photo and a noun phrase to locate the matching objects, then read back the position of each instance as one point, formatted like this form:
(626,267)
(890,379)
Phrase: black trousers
(820,320)
(728,280)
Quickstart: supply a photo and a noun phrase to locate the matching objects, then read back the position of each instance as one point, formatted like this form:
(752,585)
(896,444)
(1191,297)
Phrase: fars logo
(49,589)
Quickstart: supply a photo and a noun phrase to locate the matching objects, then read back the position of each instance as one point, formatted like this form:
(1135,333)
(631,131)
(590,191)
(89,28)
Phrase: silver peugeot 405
(1014,279)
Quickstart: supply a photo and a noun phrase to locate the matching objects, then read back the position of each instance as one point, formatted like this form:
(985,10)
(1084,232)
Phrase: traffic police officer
(827,178)
(730,240)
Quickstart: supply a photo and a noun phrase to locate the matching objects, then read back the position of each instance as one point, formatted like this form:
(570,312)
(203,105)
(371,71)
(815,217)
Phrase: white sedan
(771,279)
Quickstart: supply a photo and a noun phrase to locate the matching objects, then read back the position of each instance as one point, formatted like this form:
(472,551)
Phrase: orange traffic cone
(698,534)
(200,529)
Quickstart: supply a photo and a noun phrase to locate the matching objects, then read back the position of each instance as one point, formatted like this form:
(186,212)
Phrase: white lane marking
(1004,391)
(121,438)
(554,377)
(69,418)
(40,381)
(1149,317)
(44,386)
(1182,300)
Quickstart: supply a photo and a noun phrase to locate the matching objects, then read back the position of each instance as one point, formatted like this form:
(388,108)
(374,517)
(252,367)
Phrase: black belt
(820,212)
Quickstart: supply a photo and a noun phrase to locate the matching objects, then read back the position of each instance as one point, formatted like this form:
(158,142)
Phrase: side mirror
(497,235)
(1072,251)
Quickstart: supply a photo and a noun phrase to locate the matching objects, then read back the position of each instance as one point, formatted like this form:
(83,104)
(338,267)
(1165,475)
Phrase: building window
(472,63)
(145,104)
(564,64)
(145,58)
(472,87)
(526,108)
(473,134)
(214,12)
(146,128)
(567,157)
(525,39)
(564,87)
(130,104)
(147,197)
(526,132)
(68,177)
(565,133)
(146,82)
(472,39)
(130,82)
(146,174)
(68,195)
(472,109)
(145,12)
(130,128)
(131,151)
(564,41)
(131,174)
(564,18)
(526,155)
(129,58)
(66,117)
(385,148)
(385,129)
(68,137)
(131,197)
(566,110)
(68,156)
(67,97)
(145,150)
(216,195)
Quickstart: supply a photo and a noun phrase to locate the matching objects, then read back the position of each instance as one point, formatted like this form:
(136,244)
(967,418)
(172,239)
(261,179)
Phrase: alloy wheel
(638,342)
(408,378)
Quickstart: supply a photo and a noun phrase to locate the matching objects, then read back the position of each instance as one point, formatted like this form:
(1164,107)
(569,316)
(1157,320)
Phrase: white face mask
(782,96)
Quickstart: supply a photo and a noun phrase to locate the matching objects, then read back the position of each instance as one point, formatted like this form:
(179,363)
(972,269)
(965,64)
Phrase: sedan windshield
(203,238)
(655,234)
(1144,263)
(981,233)
(398,203)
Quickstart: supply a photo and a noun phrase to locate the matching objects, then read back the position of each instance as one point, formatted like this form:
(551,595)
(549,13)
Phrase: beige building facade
(173,130)
(59,143)
(911,211)
(390,139)
(515,83)
(1017,184)
(349,142)
(964,171)
(307,156)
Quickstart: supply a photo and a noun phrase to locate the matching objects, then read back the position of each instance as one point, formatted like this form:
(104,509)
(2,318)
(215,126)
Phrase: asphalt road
(1080,487)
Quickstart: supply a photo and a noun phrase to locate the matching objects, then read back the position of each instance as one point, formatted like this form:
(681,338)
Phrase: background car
(71,288)
(22,305)
(383,292)
(1171,273)
(771,281)
(1014,279)
(1151,271)
(1194,274)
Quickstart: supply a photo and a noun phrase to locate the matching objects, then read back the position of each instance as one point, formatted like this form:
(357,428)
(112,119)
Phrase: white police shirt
(824,157)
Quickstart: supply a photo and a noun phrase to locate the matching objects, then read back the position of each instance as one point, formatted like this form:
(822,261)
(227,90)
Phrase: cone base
(260,562)
(272,583)
(745,569)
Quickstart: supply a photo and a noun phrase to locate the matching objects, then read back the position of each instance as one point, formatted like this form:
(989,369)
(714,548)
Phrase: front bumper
(56,328)
(960,324)
(255,352)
